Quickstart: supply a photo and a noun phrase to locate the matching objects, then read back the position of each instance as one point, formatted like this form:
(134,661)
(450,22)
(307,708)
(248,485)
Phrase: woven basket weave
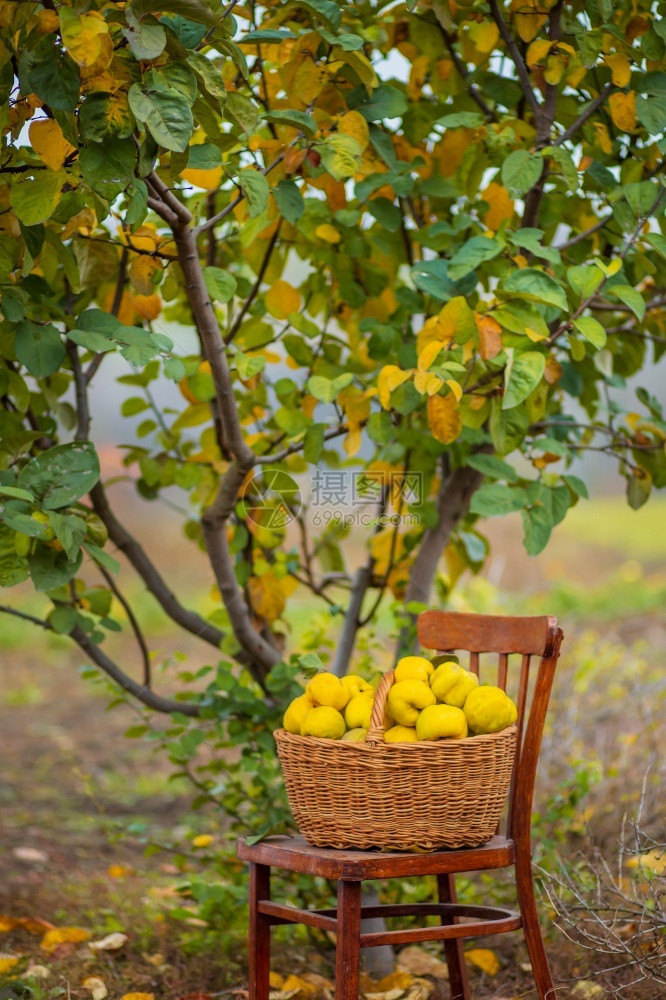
(396,796)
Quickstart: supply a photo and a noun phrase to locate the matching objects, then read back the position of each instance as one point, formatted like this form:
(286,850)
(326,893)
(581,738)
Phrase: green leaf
(493,467)
(592,330)
(313,443)
(310,664)
(520,171)
(13,568)
(384,102)
(386,213)
(577,485)
(70,532)
(220,285)
(340,155)
(50,569)
(651,112)
(584,279)
(472,253)
(630,297)
(432,276)
(193,10)
(656,240)
(51,74)
(62,474)
(324,10)
(243,111)
(530,240)
(326,389)
(16,493)
(521,375)
(39,348)
(534,286)
(103,116)
(462,119)
(102,557)
(108,166)
(563,160)
(494,498)
(247,366)
(297,119)
(35,196)
(289,201)
(146,37)
(266,35)
(63,619)
(638,490)
(166,114)
(255,188)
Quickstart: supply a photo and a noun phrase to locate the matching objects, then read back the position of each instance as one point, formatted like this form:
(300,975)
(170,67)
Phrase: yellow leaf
(49,143)
(455,388)
(203,840)
(429,353)
(534,335)
(275,980)
(427,382)
(623,110)
(118,871)
(354,124)
(537,52)
(484,959)
(381,545)
(353,441)
(282,299)
(390,377)
(209,180)
(82,35)
(490,339)
(309,81)
(61,935)
(268,595)
(328,233)
(7,962)
(303,988)
(527,18)
(555,67)
(138,996)
(444,418)
(501,206)
(450,150)
(141,272)
(654,861)
(620,68)
(147,306)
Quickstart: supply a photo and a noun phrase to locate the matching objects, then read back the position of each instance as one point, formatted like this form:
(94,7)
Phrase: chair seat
(296,855)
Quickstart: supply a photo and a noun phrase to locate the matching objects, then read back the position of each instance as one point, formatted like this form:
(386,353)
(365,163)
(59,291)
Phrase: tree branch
(213,221)
(519,63)
(138,691)
(472,89)
(589,111)
(131,617)
(136,556)
(5,609)
(235,326)
(579,237)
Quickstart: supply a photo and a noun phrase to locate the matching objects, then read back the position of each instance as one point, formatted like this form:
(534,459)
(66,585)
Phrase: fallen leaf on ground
(196,996)
(38,971)
(484,959)
(138,996)
(420,962)
(319,981)
(7,962)
(158,960)
(585,989)
(203,840)
(394,994)
(62,935)
(396,980)
(119,871)
(34,925)
(96,986)
(112,942)
(30,854)
(298,988)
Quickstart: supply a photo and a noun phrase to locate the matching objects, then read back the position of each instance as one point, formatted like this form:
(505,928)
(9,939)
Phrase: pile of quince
(427,701)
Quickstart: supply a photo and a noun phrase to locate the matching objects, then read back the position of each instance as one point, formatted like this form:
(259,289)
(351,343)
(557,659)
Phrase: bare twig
(254,291)
(587,113)
(136,628)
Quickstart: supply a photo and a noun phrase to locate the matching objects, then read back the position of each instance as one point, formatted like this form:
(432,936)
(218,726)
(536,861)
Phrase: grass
(609,522)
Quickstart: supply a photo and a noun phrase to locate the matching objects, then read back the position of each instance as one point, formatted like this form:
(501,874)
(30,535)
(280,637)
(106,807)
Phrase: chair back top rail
(487,633)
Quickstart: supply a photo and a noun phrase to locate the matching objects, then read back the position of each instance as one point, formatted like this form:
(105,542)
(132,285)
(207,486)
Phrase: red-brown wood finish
(507,639)
(260,933)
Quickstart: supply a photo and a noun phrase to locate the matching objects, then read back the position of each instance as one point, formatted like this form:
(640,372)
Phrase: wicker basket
(396,796)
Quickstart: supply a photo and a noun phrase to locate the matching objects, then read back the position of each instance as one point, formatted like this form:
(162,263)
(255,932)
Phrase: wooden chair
(444,632)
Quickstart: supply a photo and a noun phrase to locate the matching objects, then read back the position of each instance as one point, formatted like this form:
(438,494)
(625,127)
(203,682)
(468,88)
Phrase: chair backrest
(504,637)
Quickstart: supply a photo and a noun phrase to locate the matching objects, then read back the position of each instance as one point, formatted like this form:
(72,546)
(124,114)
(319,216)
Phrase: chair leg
(533,938)
(260,934)
(348,941)
(455,956)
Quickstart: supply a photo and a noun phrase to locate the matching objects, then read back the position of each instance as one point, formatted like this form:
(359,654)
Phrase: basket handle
(376,729)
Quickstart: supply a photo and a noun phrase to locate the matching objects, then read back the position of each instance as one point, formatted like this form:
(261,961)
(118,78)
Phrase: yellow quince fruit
(401,734)
(406,699)
(413,668)
(489,710)
(324,722)
(357,735)
(327,689)
(356,685)
(358,711)
(441,722)
(451,684)
(296,712)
